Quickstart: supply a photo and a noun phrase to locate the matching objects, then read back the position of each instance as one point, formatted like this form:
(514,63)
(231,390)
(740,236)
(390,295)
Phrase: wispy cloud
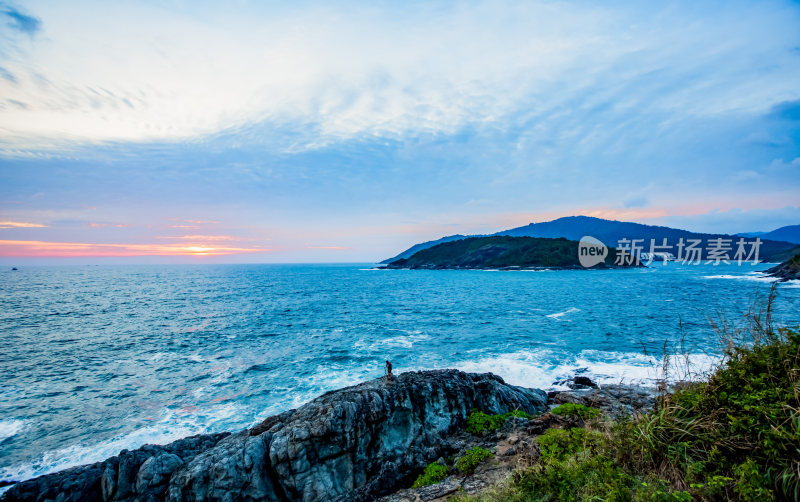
(19,21)
(20,224)
(375,127)
(468,65)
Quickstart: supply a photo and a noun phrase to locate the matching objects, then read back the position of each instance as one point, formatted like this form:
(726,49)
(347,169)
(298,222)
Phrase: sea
(96,359)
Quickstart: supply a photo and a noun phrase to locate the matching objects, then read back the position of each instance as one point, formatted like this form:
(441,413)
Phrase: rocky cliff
(788,270)
(351,444)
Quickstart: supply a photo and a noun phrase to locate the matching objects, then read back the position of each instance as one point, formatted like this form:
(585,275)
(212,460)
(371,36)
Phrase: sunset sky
(345,131)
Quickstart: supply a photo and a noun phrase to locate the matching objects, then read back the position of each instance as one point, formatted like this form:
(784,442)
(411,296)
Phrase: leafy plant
(479,423)
(433,474)
(576,410)
(472,458)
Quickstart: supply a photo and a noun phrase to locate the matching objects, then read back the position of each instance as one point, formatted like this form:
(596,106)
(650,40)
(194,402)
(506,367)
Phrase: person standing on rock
(389,376)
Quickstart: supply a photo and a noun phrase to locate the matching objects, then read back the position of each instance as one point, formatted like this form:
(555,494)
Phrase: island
(502,252)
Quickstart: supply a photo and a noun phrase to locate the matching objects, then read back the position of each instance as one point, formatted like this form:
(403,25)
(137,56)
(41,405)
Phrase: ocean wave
(757,277)
(173,425)
(540,369)
(405,341)
(749,277)
(559,315)
(10,428)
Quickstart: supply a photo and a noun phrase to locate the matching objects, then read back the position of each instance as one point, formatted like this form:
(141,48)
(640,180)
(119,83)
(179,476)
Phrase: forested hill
(499,252)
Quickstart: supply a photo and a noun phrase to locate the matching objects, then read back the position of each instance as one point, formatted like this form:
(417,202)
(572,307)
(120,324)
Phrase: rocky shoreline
(365,442)
(786,271)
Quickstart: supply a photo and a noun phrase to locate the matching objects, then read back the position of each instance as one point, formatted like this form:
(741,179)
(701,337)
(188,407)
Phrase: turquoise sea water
(97,359)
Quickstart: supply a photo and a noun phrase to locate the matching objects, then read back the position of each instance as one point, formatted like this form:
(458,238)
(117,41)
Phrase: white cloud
(135,72)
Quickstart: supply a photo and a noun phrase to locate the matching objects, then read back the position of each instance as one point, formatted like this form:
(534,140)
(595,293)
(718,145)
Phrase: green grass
(467,464)
(735,436)
(433,474)
(480,423)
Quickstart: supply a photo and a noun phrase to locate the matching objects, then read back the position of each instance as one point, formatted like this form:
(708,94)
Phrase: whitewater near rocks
(355,443)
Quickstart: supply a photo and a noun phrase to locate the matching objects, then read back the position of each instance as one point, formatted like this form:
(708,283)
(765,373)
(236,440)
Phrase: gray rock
(355,444)
(786,271)
(132,475)
(156,471)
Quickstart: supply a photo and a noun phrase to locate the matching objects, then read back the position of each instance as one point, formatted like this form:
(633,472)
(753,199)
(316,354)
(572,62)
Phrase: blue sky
(261,132)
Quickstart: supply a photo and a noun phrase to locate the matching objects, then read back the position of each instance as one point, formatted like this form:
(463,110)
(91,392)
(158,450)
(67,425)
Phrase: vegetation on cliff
(500,252)
(480,423)
(732,437)
(466,464)
(788,270)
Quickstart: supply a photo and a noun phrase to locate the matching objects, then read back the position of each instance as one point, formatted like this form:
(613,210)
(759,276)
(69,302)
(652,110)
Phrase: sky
(243,132)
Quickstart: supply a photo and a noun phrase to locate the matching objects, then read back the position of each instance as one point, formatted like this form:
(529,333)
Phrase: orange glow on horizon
(198,237)
(42,249)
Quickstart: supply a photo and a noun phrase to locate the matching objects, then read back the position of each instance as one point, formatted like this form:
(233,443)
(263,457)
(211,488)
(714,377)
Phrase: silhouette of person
(389,375)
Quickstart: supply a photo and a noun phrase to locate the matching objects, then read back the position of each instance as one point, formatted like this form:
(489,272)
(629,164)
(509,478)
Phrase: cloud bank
(353,130)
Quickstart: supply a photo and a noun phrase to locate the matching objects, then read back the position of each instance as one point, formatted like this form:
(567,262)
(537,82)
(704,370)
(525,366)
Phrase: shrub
(737,433)
(558,443)
(733,437)
(433,474)
(479,423)
(472,458)
(576,410)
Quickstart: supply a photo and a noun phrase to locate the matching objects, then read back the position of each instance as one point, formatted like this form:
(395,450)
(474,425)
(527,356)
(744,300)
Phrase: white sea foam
(748,277)
(405,341)
(757,277)
(172,425)
(559,315)
(10,428)
(537,369)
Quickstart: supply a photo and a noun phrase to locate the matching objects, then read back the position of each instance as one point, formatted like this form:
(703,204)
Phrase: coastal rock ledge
(355,443)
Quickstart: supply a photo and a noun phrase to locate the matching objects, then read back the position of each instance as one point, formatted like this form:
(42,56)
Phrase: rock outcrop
(515,444)
(788,270)
(355,443)
(132,475)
